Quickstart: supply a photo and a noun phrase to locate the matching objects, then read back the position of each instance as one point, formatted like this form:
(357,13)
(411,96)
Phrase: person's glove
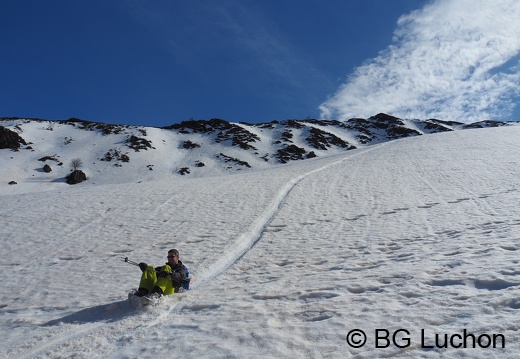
(143,266)
(163,274)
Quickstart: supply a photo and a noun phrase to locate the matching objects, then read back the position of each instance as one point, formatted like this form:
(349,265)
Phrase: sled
(143,301)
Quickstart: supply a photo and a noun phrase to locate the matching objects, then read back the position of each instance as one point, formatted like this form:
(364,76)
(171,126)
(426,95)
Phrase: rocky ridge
(195,147)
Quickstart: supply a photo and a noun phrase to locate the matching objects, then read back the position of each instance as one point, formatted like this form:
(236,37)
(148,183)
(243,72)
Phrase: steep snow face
(418,237)
(130,154)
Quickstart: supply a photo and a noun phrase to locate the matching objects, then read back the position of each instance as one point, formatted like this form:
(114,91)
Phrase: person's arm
(179,275)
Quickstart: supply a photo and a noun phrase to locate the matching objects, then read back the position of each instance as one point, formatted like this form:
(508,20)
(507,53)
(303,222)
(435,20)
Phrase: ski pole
(126,260)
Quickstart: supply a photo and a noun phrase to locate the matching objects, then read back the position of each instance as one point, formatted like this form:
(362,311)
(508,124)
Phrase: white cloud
(451,60)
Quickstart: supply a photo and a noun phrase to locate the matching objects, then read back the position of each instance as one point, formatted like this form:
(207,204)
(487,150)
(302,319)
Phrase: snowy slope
(124,154)
(417,234)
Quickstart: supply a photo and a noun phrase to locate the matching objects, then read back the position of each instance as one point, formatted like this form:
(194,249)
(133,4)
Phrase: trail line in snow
(60,338)
(254,234)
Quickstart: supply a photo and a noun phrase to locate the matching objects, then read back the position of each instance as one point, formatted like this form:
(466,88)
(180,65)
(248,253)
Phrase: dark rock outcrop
(10,139)
(76,177)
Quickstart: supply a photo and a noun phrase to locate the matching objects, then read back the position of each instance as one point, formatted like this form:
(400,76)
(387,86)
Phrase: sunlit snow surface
(420,234)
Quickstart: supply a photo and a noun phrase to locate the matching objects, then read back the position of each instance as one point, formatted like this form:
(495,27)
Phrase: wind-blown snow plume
(452,59)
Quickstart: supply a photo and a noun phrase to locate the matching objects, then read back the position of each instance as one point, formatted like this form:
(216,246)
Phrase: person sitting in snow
(162,280)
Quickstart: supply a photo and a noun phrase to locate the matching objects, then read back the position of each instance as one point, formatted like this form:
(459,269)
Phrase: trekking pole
(126,260)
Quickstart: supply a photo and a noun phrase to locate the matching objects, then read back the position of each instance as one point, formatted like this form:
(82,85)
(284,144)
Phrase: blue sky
(164,61)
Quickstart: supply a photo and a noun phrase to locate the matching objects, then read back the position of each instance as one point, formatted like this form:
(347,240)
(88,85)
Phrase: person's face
(172,258)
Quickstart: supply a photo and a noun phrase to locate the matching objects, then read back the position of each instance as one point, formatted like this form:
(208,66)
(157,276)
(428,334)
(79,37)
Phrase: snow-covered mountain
(413,243)
(43,150)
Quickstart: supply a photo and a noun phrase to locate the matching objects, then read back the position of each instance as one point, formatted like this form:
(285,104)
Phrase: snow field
(416,234)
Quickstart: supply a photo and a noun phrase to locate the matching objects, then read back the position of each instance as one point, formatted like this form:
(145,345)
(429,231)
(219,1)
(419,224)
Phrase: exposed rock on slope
(10,139)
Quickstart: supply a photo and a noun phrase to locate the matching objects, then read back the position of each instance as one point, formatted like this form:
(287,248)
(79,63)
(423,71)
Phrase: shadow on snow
(111,312)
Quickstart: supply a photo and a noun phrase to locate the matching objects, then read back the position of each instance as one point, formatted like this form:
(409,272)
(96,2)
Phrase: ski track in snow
(254,234)
(78,332)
